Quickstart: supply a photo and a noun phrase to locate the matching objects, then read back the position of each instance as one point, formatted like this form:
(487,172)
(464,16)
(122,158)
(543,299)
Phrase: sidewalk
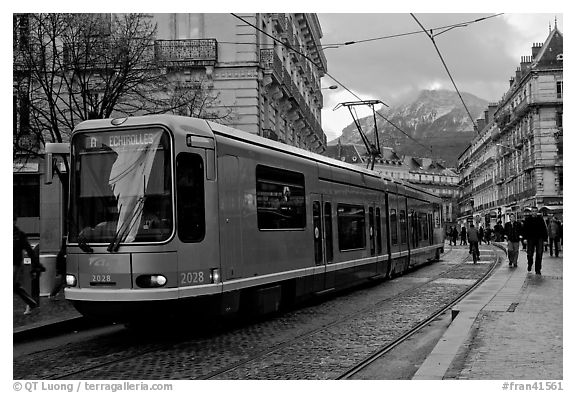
(50,312)
(508,328)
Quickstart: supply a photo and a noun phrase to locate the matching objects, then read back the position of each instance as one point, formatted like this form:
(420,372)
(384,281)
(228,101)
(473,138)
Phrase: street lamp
(333,87)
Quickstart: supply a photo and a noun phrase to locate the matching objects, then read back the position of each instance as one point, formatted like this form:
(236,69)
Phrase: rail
(421,325)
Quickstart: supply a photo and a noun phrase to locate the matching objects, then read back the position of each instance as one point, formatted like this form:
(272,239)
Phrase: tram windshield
(121,187)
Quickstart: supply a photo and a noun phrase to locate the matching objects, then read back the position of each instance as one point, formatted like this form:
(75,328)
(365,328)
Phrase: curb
(52,327)
(438,362)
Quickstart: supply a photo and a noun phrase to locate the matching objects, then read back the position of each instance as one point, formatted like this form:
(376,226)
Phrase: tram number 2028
(187,278)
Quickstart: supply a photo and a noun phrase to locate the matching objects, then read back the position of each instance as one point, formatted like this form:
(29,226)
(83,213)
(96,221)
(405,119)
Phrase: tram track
(253,357)
(271,351)
(404,337)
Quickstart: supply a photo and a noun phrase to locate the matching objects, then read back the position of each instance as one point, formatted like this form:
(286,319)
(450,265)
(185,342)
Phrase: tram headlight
(151,281)
(214,276)
(158,280)
(70,280)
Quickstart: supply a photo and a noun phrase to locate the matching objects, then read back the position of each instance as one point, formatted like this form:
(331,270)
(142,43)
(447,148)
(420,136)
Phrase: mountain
(435,118)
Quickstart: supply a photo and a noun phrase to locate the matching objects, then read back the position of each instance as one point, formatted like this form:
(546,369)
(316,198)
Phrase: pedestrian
(454,235)
(463,236)
(554,235)
(480,235)
(21,244)
(527,212)
(60,270)
(498,231)
(488,234)
(513,234)
(535,232)
(473,239)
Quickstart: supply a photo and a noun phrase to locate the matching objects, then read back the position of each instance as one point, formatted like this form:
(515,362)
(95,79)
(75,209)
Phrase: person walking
(535,232)
(488,234)
(463,236)
(454,235)
(20,244)
(60,270)
(498,231)
(554,236)
(473,239)
(513,234)
(480,234)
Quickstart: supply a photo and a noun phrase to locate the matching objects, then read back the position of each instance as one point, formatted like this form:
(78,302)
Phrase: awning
(551,209)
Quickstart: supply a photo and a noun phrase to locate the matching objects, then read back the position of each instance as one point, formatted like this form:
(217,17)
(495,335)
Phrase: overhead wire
(289,47)
(446,27)
(431,36)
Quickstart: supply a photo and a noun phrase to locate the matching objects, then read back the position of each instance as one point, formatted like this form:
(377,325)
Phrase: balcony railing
(186,52)
(280,22)
(270,62)
(288,35)
(521,108)
(503,118)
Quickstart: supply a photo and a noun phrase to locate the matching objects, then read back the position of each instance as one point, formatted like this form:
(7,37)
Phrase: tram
(174,215)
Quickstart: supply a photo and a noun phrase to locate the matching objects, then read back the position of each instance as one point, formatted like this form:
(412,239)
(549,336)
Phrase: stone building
(516,161)
(274,91)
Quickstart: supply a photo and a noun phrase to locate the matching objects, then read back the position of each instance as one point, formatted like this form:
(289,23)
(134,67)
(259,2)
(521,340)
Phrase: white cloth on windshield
(129,178)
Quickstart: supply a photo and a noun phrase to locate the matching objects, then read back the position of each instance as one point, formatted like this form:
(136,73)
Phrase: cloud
(333,121)
(481,57)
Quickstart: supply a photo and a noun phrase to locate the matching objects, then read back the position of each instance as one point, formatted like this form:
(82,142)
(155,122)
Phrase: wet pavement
(511,327)
(50,311)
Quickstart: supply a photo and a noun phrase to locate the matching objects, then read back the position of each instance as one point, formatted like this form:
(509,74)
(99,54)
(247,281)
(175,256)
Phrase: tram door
(323,233)
(230,216)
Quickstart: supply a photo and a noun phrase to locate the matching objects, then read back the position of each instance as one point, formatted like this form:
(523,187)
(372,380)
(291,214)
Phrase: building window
(559,119)
(559,89)
(26,194)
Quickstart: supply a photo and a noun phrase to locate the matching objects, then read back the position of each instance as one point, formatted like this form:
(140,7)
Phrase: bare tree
(72,67)
(193,99)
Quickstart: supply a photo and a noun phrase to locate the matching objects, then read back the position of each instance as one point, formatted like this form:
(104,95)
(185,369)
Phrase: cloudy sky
(481,57)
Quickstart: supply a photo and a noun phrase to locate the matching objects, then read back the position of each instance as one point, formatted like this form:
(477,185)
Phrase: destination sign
(115,140)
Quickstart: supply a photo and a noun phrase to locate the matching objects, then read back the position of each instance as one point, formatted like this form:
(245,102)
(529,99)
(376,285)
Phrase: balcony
(521,108)
(502,118)
(271,64)
(287,83)
(280,22)
(288,35)
(186,52)
(269,134)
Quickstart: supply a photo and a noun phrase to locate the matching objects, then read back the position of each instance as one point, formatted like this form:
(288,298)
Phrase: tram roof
(206,128)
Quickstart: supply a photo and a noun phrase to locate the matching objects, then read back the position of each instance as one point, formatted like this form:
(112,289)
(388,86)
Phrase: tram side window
(403,227)
(378,232)
(393,227)
(351,227)
(424,224)
(190,197)
(414,228)
(328,229)
(317,224)
(280,198)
